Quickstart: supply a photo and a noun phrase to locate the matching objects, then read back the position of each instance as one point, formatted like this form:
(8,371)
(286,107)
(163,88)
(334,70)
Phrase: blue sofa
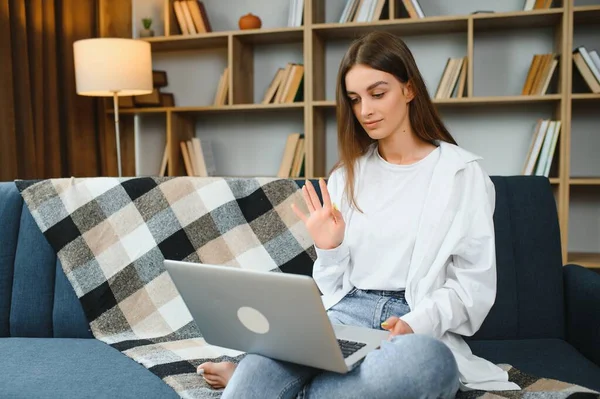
(546,319)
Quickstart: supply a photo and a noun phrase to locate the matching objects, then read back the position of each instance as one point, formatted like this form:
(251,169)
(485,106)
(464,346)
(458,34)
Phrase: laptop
(277,315)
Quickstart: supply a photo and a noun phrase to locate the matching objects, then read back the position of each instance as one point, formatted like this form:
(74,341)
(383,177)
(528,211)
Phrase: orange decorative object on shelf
(250,21)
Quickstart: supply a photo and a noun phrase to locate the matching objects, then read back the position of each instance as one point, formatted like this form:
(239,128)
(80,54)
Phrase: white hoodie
(451,281)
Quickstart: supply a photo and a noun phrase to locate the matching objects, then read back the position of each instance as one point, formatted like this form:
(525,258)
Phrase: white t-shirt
(381,239)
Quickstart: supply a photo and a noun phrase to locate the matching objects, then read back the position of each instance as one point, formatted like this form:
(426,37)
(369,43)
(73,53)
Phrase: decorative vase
(146,33)
(249,21)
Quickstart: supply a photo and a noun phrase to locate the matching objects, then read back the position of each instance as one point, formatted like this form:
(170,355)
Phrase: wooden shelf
(554,180)
(324,104)
(186,42)
(239,107)
(584,181)
(585,96)
(220,39)
(517,19)
(497,100)
(491,100)
(443,24)
(586,14)
(586,259)
(403,26)
(270,36)
(214,108)
(140,110)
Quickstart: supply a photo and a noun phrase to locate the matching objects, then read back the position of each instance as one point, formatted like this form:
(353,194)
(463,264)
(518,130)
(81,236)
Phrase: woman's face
(379,101)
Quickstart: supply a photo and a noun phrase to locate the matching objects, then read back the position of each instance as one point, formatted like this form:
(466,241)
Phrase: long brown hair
(388,53)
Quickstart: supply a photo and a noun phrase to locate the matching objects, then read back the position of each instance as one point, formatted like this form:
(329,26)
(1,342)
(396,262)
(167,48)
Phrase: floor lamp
(113,67)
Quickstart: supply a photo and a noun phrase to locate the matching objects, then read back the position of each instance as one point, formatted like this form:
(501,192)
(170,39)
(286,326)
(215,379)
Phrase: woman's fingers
(299,213)
(390,323)
(307,199)
(325,193)
(314,197)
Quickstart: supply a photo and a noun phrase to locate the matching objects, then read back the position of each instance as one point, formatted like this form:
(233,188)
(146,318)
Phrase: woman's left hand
(396,326)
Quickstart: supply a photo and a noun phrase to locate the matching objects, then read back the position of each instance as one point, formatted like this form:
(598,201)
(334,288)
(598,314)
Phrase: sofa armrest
(582,306)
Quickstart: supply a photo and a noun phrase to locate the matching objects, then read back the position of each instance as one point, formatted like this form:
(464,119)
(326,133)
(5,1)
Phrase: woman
(404,241)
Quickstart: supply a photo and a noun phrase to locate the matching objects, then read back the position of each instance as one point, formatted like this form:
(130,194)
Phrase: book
(536,145)
(287,159)
(180,17)
(221,94)
(273,87)
(590,63)
(586,72)
(451,78)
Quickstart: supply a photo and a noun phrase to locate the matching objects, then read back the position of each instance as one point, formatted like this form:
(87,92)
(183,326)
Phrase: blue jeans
(407,366)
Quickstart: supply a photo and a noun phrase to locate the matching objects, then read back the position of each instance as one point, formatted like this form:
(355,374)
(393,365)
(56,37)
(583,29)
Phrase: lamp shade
(105,66)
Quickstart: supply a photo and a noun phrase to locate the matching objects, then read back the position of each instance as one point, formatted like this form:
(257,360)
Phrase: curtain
(46,129)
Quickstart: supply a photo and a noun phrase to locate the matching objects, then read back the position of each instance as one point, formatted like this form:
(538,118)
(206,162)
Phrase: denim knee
(418,366)
(259,376)
(250,368)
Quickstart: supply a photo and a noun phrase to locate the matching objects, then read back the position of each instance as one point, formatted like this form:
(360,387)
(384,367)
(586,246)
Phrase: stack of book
(540,74)
(362,11)
(157,98)
(198,157)
(191,17)
(542,148)
(287,85)
(454,79)
(294,154)
(588,65)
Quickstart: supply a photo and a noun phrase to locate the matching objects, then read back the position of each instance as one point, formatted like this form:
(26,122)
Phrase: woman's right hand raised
(324,223)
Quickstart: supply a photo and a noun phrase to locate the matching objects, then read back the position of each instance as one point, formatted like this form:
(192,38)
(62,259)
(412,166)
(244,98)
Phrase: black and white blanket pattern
(112,236)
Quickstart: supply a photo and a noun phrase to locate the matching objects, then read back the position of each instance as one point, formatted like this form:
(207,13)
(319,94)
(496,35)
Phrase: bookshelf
(493,119)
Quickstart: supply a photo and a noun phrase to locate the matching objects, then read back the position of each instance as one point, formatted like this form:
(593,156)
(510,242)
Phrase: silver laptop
(278,315)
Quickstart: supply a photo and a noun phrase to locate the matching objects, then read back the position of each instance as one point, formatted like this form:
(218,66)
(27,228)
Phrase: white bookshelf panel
(585,140)
(334,10)
(584,219)
(249,143)
(193,75)
(502,60)
(150,140)
(266,61)
(331,151)
(501,135)
(579,3)
(224,15)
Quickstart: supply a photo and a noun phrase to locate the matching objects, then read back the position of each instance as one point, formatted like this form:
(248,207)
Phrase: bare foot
(217,374)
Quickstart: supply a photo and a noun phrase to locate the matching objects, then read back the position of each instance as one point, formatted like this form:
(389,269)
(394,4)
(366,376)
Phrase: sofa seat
(549,358)
(73,368)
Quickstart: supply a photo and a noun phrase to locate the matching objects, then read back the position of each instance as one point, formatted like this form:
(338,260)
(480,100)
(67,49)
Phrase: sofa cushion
(549,358)
(73,368)
(36,299)
(529,300)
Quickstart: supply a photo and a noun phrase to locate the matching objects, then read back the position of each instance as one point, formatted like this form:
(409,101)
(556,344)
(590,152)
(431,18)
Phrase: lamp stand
(116,106)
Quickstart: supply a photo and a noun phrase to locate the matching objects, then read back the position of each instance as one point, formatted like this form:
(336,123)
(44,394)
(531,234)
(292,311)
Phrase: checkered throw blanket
(112,236)
(532,387)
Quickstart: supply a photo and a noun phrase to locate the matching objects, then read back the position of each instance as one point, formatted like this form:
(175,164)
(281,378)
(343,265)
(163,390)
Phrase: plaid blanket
(532,387)
(112,236)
